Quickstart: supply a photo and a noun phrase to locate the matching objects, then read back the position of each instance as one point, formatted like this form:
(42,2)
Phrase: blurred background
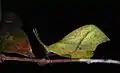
(55,21)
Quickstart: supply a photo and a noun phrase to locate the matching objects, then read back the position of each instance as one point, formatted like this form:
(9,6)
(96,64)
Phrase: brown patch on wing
(23,47)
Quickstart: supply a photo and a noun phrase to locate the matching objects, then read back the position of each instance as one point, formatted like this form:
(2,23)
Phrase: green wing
(80,43)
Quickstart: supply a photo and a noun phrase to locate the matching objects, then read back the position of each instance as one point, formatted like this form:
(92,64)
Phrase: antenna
(37,36)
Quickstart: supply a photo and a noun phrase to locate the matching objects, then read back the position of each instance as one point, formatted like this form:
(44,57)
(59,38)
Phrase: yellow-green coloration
(81,43)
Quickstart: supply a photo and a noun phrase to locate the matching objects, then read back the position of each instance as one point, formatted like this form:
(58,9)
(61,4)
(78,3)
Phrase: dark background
(54,22)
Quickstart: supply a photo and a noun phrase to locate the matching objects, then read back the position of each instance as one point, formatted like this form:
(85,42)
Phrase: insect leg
(67,55)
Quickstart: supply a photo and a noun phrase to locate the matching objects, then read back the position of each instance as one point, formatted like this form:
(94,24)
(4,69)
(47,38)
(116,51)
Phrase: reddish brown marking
(23,47)
(25,44)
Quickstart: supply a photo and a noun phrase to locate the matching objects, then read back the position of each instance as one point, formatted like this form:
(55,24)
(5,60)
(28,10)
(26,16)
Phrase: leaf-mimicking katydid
(80,43)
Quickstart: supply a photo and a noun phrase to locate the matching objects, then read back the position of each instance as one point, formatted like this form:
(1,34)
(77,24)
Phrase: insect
(12,38)
(80,43)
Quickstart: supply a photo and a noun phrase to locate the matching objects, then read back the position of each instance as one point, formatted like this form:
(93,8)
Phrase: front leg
(67,55)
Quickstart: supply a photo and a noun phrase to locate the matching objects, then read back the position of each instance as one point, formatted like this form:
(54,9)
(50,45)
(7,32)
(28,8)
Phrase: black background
(55,21)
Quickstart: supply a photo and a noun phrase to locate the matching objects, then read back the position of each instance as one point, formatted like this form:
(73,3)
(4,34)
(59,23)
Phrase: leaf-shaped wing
(80,43)
(12,38)
(16,42)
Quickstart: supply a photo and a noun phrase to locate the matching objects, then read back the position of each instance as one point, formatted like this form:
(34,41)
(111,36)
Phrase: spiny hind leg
(47,57)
